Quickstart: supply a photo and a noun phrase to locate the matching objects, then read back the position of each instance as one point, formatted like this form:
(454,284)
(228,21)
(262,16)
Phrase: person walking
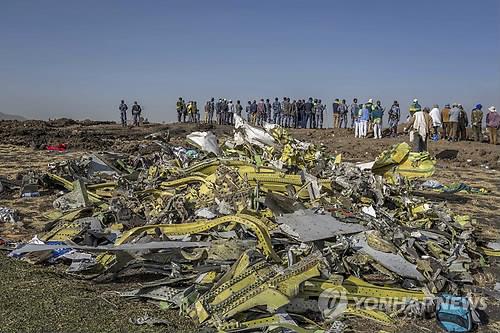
(354,110)
(136,113)
(477,122)
(436,121)
(394,118)
(123,113)
(445,117)
(492,124)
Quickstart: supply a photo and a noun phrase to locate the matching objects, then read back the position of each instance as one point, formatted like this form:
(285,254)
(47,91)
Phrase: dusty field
(41,299)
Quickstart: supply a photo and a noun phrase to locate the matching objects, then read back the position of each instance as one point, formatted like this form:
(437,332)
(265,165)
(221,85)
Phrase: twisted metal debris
(259,230)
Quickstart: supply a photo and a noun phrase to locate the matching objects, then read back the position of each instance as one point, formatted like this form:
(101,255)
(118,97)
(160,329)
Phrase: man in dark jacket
(463,122)
(308,106)
(123,113)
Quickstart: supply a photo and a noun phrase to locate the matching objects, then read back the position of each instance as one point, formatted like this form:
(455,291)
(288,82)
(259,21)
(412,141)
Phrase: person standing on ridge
(463,122)
(454,116)
(320,114)
(421,125)
(285,110)
(276,111)
(354,109)
(493,124)
(343,111)
(376,117)
(436,121)
(364,117)
(179,107)
(123,113)
(477,122)
(238,108)
(136,113)
(336,114)
(248,110)
(394,118)
(308,106)
(261,112)
(445,117)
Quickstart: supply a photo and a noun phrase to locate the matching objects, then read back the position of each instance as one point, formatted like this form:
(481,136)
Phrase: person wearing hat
(436,121)
(414,107)
(369,105)
(493,124)
(477,121)
(445,117)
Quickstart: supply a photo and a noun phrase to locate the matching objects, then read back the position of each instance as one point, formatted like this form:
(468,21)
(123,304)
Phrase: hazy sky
(79,58)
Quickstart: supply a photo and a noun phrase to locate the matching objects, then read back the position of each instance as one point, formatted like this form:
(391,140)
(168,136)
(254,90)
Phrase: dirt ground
(36,298)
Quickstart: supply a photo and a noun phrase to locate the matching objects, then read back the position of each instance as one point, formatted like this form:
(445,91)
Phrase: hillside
(5,116)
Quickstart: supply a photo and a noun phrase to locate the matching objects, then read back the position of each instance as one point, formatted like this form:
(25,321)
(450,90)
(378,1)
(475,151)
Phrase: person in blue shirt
(363,120)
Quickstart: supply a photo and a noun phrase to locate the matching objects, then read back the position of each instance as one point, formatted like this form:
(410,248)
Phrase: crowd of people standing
(449,123)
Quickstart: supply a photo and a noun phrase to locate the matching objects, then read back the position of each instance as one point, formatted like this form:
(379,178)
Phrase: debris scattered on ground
(8,215)
(258,230)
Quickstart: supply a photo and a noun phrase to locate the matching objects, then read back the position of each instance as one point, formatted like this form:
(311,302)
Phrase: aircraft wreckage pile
(260,230)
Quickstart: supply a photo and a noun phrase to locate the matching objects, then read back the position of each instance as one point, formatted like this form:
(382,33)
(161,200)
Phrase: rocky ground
(41,299)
